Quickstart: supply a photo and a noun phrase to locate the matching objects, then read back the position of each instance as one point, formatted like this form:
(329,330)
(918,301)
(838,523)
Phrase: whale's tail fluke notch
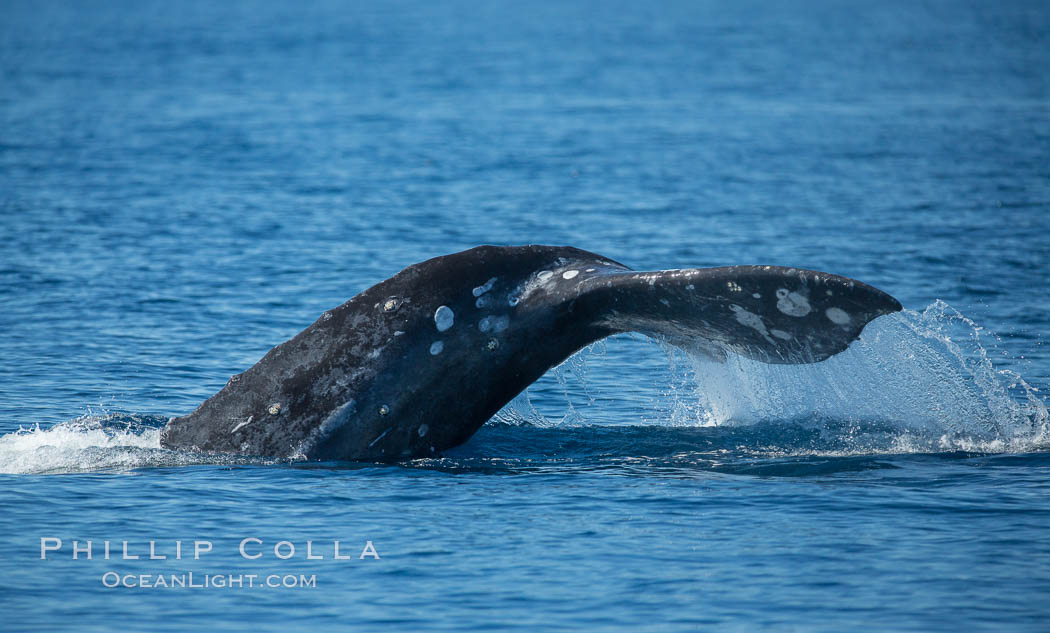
(767,313)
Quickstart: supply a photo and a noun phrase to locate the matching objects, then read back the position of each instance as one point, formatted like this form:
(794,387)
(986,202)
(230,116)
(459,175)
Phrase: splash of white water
(925,374)
(80,444)
(913,382)
(107,442)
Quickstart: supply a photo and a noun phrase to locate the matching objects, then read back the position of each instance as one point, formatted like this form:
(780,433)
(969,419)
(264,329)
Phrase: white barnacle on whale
(544,275)
(436,348)
(444,318)
(569,274)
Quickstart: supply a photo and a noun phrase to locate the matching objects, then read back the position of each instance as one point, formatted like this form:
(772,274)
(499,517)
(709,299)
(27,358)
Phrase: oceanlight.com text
(191,580)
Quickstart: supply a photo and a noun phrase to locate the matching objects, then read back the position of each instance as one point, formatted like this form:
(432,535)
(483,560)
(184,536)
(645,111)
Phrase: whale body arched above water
(416,364)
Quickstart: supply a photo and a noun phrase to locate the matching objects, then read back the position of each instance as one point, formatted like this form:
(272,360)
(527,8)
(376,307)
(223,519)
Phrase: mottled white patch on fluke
(792,303)
(751,320)
(494,323)
(838,316)
(444,318)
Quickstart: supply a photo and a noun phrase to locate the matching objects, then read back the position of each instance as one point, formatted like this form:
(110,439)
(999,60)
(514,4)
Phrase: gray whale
(416,364)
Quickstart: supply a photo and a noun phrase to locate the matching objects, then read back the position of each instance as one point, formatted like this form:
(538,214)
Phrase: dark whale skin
(416,364)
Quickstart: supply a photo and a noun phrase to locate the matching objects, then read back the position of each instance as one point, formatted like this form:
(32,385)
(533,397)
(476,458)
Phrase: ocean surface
(185,185)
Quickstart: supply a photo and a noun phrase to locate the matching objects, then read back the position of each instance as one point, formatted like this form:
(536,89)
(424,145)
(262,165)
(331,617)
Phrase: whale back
(417,363)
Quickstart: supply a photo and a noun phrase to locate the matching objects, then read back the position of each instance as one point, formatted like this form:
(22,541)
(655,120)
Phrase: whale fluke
(416,364)
(767,313)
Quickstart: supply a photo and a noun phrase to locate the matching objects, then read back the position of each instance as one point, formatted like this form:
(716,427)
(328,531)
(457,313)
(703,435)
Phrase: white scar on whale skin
(444,318)
(485,287)
(337,418)
(243,424)
(381,436)
(752,320)
(494,323)
(838,316)
(792,303)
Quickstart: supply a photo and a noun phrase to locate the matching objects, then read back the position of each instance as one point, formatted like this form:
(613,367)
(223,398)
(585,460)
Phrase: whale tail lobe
(767,313)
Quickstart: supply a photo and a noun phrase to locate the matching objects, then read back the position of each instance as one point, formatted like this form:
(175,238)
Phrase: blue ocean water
(185,185)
